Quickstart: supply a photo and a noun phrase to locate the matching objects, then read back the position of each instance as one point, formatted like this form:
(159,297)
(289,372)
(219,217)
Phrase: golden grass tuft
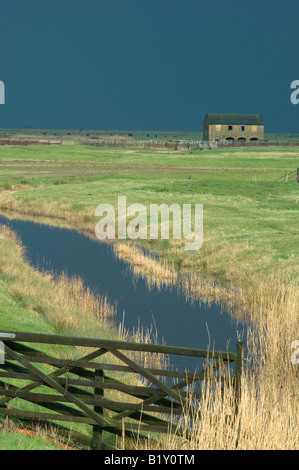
(151,270)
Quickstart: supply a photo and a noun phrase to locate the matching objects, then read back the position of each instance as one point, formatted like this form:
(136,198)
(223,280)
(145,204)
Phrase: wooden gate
(74,386)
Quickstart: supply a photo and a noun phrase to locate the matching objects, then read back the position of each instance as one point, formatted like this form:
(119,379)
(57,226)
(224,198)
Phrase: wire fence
(182,145)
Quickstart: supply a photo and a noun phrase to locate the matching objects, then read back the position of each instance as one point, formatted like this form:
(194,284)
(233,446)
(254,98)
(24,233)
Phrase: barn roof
(235,119)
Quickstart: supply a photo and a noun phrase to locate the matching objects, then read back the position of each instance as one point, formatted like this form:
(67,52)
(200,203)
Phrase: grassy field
(250,242)
(250,212)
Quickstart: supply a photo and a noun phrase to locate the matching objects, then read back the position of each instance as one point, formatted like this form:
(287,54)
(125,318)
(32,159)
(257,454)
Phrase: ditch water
(178,322)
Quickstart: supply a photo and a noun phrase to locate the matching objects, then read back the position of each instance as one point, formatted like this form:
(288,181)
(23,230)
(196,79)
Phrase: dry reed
(269,410)
(152,271)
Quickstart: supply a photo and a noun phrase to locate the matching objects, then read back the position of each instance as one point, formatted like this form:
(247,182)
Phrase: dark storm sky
(138,64)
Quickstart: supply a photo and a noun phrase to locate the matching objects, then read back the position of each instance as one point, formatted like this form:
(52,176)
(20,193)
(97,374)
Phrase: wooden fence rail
(10,141)
(77,389)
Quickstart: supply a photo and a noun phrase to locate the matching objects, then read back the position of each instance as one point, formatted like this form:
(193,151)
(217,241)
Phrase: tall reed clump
(269,410)
(273,379)
(268,413)
(91,304)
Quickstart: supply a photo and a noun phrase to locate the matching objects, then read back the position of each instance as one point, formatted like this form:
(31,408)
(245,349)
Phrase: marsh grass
(250,249)
(250,213)
(269,409)
(194,288)
(91,304)
(147,267)
(268,413)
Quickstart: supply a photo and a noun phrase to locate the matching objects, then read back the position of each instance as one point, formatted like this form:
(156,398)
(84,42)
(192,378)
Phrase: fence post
(239,373)
(297,175)
(97,435)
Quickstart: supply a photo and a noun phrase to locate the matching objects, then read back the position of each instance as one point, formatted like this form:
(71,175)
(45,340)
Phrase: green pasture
(250,220)
(250,198)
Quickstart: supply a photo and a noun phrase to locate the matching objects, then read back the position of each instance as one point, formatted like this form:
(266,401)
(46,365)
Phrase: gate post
(97,435)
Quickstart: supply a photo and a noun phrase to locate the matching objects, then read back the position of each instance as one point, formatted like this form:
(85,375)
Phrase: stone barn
(233,127)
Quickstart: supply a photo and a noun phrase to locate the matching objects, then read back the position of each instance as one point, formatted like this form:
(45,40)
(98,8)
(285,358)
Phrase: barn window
(218,127)
(230,128)
(242,128)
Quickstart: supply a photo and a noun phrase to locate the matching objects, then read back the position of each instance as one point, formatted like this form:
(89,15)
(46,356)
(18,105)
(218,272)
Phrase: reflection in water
(179,321)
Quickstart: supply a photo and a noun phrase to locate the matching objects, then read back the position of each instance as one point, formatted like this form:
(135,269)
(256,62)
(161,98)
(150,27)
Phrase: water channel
(179,322)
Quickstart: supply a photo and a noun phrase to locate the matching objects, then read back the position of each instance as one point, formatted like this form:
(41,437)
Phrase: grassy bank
(31,301)
(34,302)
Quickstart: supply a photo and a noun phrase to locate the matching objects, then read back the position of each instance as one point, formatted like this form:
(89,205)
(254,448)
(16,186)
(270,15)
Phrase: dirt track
(31,171)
